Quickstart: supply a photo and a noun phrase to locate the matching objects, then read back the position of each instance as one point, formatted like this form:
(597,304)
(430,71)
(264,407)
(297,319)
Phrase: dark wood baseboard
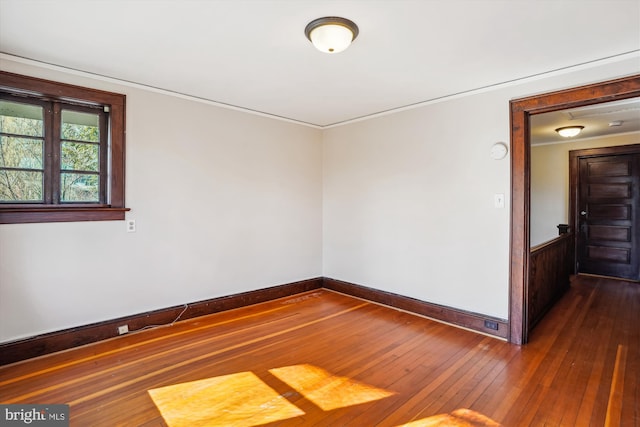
(465,319)
(39,345)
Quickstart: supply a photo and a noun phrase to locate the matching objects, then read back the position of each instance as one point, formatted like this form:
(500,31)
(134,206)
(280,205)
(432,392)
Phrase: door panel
(603,253)
(611,212)
(602,232)
(609,190)
(619,168)
(608,205)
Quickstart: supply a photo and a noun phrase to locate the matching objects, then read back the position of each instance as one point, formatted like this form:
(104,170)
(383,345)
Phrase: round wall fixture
(499,150)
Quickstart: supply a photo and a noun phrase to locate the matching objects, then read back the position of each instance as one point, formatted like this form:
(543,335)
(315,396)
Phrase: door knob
(583,213)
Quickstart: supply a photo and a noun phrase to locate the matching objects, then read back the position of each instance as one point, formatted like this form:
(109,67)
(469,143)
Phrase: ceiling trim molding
(635,54)
(140,86)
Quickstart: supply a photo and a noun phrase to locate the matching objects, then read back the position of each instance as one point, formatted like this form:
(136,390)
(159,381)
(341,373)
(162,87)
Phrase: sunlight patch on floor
(239,399)
(457,418)
(326,390)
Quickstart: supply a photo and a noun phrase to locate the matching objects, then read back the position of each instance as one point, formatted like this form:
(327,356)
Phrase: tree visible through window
(21,152)
(60,154)
(82,142)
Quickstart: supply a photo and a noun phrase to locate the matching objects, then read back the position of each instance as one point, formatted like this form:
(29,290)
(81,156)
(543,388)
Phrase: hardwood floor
(326,359)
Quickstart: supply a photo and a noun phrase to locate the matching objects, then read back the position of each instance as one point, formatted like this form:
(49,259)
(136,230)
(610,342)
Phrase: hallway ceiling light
(331,34)
(569,131)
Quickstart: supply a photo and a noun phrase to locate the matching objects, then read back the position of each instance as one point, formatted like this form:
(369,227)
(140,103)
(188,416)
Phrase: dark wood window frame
(112,204)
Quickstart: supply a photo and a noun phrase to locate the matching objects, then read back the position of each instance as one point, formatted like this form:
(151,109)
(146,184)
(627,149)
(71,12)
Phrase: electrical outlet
(490,324)
(123,329)
(131,226)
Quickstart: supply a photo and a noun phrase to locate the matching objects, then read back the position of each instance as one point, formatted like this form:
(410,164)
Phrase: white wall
(224,202)
(409,197)
(550,182)
(402,203)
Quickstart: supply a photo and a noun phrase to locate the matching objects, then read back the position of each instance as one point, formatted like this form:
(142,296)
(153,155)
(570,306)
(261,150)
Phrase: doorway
(605,185)
(521,110)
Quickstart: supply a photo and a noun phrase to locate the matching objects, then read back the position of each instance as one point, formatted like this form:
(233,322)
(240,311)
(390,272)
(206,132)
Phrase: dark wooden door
(608,203)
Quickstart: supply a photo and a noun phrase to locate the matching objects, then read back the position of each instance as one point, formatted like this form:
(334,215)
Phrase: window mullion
(104,158)
(54,171)
(48,152)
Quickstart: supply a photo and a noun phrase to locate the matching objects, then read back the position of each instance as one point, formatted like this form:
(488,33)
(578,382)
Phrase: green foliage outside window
(22,153)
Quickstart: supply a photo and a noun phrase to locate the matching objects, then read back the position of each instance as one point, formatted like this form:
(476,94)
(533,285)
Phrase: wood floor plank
(629,321)
(399,368)
(614,405)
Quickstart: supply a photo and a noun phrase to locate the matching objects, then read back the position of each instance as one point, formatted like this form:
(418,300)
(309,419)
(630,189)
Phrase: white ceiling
(609,118)
(253,54)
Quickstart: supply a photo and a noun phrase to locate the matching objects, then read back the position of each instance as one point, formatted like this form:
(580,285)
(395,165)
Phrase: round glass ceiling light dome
(569,131)
(331,34)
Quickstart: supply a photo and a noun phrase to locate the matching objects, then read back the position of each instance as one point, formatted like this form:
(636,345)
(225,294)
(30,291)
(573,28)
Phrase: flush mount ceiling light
(331,34)
(569,131)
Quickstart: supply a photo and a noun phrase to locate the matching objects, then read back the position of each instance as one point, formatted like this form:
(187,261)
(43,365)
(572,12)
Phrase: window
(61,152)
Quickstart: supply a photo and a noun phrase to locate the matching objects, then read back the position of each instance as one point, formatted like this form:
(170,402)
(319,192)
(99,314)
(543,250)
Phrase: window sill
(24,215)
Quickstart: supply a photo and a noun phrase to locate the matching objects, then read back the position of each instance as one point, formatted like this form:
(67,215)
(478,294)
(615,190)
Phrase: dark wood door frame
(521,109)
(574,181)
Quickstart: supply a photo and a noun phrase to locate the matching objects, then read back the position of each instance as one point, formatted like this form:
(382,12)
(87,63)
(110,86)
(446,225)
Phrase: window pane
(21,119)
(25,153)
(80,126)
(20,186)
(76,187)
(79,157)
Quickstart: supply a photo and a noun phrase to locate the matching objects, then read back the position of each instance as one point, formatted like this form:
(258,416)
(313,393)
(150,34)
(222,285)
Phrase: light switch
(498,200)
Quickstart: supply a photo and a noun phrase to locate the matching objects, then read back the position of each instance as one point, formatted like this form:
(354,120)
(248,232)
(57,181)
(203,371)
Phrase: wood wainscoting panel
(551,267)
